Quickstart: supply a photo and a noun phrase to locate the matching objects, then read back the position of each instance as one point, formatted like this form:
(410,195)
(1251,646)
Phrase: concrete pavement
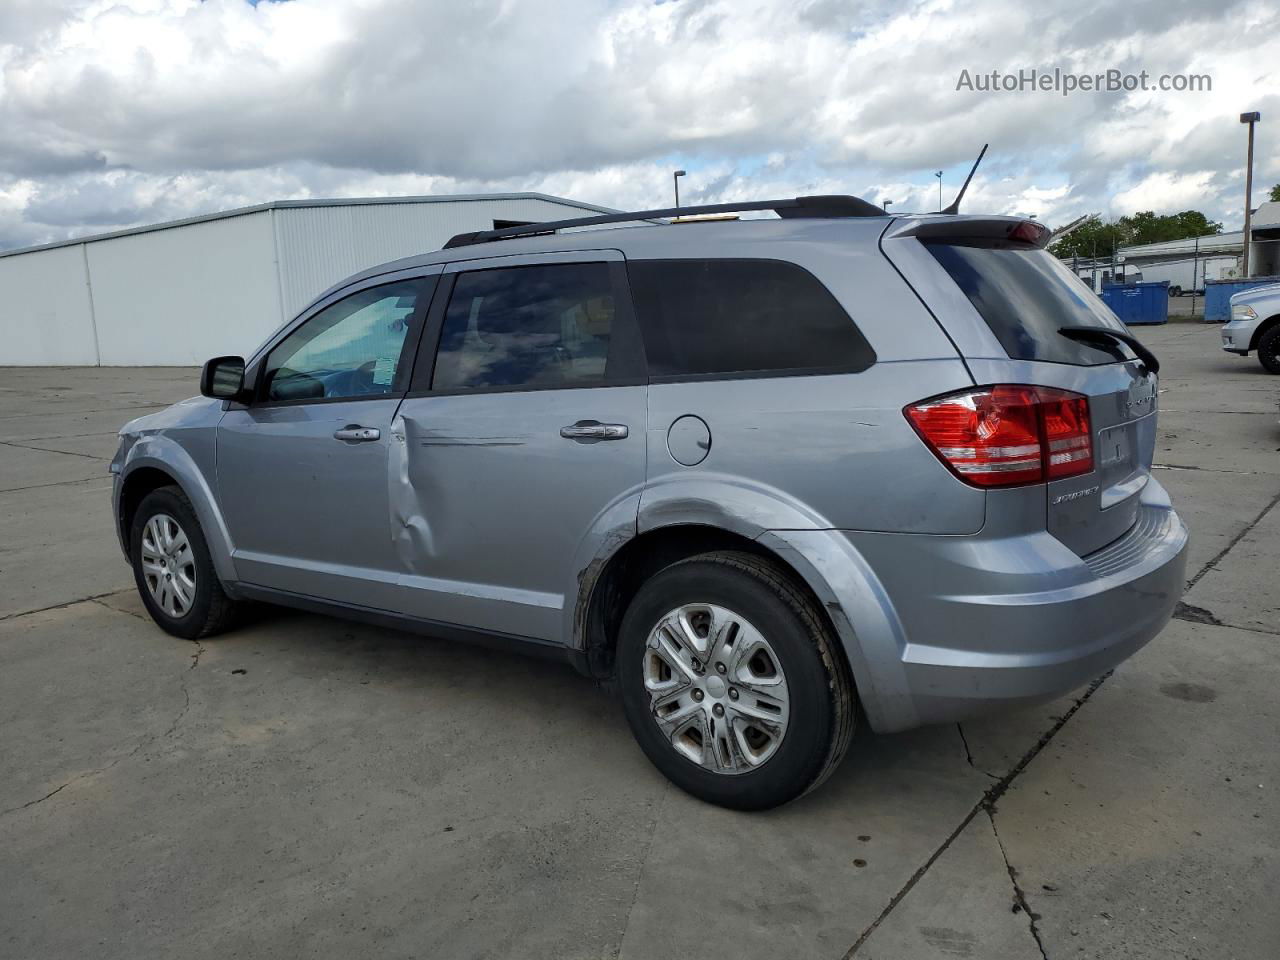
(305,787)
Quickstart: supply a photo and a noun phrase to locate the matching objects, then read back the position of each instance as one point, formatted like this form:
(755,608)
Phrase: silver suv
(763,475)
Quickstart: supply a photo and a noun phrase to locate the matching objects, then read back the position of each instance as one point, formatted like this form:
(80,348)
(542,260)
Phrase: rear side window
(724,317)
(1025,294)
(530,327)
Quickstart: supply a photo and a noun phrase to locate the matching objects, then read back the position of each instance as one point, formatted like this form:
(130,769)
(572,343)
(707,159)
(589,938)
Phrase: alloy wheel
(168,565)
(716,688)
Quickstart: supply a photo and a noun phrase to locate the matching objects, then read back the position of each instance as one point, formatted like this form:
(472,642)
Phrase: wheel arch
(1268,324)
(604,597)
(155,462)
(135,486)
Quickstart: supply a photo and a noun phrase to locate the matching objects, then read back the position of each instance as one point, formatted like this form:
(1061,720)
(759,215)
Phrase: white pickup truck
(1255,325)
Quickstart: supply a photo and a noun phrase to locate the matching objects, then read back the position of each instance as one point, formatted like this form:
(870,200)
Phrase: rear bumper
(1030,647)
(979,623)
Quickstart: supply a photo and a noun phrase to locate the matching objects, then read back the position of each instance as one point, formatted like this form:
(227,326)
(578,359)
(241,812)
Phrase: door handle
(354,433)
(593,431)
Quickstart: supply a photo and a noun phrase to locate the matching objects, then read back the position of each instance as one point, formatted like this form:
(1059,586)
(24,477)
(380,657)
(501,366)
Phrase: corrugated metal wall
(321,245)
(46,316)
(180,295)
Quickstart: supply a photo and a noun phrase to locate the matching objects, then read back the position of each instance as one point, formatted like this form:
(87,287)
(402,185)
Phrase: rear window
(725,317)
(1025,294)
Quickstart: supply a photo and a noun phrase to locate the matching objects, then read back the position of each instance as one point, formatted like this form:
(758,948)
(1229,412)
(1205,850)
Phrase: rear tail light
(1008,436)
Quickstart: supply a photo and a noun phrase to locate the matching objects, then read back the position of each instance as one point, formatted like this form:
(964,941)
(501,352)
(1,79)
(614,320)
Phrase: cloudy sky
(120,112)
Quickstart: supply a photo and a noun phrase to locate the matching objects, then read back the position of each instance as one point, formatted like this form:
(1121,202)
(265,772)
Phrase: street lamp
(675,179)
(885,204)
(1250,119)
(939,176)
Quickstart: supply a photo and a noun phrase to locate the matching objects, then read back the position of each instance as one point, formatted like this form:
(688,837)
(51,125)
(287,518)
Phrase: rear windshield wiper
(1106,333)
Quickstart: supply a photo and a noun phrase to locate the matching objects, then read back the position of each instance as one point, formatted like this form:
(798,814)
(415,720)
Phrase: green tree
(1275,193)
(1099,239)
(1092,239)
(1146,227)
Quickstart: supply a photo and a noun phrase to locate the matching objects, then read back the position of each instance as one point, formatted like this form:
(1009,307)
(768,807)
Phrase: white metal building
(1188,263)
(179,293)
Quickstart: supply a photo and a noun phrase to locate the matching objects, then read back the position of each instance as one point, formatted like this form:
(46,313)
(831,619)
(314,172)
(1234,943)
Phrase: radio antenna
(954,208)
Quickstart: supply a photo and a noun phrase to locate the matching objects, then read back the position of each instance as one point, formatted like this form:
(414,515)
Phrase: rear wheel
(1269,350)
(173,569)
(1175,292)
(732,683)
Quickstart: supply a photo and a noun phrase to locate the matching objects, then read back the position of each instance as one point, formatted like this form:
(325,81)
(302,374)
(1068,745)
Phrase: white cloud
(1167,191)
(126,111)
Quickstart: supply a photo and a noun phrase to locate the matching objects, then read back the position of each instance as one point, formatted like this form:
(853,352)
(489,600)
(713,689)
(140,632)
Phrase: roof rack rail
(825,206)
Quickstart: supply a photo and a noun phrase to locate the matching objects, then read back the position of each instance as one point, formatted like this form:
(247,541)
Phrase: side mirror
(223,378)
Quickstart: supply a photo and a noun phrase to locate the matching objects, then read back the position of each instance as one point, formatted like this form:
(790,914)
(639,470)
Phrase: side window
(352,348)
(708,317)
(535,326)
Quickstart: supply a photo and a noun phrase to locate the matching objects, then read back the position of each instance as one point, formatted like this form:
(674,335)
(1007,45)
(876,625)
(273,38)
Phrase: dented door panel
(491,505)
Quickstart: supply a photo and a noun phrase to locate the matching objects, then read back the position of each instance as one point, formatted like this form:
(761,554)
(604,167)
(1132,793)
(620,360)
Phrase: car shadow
(877,769)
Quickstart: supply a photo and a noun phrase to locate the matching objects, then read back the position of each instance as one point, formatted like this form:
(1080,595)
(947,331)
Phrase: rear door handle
(593,431)
(354,433)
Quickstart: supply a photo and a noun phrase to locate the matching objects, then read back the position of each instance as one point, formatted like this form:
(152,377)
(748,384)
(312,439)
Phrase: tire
(1175,292)
(198,607)
(798,667)
(1269,350)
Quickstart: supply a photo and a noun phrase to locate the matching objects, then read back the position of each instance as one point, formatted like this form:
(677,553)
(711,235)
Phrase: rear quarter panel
(806,452)
(813,451)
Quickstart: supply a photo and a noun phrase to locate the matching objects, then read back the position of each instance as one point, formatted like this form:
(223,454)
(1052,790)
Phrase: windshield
(1025,295)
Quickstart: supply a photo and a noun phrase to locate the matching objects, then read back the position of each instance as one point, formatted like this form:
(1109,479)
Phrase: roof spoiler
(836,205)
(978,227)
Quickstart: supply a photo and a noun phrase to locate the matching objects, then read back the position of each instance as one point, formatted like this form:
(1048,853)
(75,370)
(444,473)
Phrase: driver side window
(351,349)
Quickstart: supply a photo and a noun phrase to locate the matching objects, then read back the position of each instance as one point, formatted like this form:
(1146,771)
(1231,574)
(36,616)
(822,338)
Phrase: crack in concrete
(186,694)
(65,453)
(55,483)
(1215,622)
(129,613)
(968,754)
(1234,540)
(986,803)
(66,603)
(644,863)
(63,436)
(139,747)
(1179,466)
(1019,895)
(1194,614)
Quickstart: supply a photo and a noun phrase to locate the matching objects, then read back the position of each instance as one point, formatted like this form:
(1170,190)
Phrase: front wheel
(732,683)
(173,569)
(1269,350)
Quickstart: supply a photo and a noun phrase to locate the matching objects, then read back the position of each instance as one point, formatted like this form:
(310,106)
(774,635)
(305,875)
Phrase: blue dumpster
(1136,303)
(1217,296)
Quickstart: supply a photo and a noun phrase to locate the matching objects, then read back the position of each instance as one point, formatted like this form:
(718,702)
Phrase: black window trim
(780,373)
(774,373)
(624,322)
(413,338)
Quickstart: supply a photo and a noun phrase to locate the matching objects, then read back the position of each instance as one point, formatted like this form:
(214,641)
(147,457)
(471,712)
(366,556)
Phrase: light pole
(939,176)
(1250,119)
(675,180)
(885,204)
